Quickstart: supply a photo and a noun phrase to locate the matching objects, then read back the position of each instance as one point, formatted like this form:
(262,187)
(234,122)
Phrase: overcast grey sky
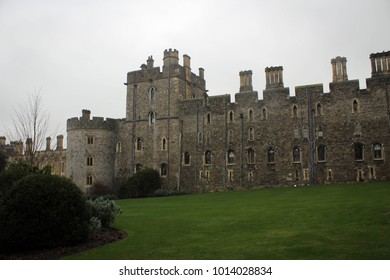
(79,52)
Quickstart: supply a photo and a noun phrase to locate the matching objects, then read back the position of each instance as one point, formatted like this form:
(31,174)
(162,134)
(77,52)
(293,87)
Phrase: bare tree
(31,124)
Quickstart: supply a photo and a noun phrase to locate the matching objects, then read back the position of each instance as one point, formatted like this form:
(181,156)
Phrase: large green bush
(142,184)
(41,211)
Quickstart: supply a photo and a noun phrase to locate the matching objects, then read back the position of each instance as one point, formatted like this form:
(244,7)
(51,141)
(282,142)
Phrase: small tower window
(89,180)
(359,151)
(320,131)
(305,132)
(295,111)
(251,134)
(152,118)
(163,169)
(264,113)
(163,144)
(378,151)
(208,137)
(230,136)
(271,155)
(200,140)
(208,118)
(231,116)
(90,140)
(296,133)
(89,161)
(250,115)
(187,158)
(152,95)
(207,157)
(296,154)
(358,129)
(138,144)
(318,109)
(251,156)
(355,106)
(118,147)
(321,153)
(230,157)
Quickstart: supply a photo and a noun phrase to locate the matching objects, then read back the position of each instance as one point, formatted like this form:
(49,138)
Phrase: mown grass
(349,221)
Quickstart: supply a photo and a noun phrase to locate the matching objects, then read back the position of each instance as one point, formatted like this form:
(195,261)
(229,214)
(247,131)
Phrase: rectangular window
(90,140)
(306,174)
(230,175)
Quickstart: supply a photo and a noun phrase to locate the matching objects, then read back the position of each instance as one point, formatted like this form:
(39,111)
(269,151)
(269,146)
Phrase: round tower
(171,57)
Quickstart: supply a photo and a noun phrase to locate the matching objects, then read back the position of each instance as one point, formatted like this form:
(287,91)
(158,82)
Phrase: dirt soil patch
(104,237)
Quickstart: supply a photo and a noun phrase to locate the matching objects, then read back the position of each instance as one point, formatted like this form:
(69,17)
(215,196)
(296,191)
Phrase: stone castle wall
(206,143)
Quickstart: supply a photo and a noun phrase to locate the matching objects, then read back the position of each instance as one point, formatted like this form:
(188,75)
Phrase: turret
(86,115)
(150,62)
(246,81)
(274,77)
(380,64)
(171,57)
(339,69)
(48,143)
(60,142)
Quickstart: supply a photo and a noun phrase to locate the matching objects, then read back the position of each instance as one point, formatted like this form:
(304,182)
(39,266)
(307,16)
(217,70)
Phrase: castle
(207,143)
(203,143)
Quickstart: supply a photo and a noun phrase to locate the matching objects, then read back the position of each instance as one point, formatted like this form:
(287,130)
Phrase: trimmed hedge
(42,211)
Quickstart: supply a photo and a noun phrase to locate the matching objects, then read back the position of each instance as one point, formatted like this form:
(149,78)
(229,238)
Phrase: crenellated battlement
(84,122)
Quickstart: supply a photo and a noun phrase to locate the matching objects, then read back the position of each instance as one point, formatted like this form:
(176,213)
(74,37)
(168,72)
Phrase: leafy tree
(142,184)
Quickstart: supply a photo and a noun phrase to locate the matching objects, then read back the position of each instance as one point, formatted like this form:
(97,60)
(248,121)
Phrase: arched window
(321,153)
(208,118)
(378,151)
(208,137)
(320,131)
(89,180)
(163,169)
(152,95)
(251,156)
(200,138)
(295,111)
(264,113)
(318,109)
(230,136)
(230,157)
(296,154)
(152,118)
(163,144)
(118,147)
(89,161)
(231,116)
(358,129)
(250,115)
(138,144)
(187,158)
(271,155)
(207,157)
(359,151)
(251,134)
(355,106)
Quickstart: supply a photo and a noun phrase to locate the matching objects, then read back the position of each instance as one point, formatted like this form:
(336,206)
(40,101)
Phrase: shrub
(104,210)
(99,189)
(94,226)
(42,211)
(142,184)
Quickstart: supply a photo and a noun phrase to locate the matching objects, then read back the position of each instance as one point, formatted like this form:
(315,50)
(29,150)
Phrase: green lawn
(349,221)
